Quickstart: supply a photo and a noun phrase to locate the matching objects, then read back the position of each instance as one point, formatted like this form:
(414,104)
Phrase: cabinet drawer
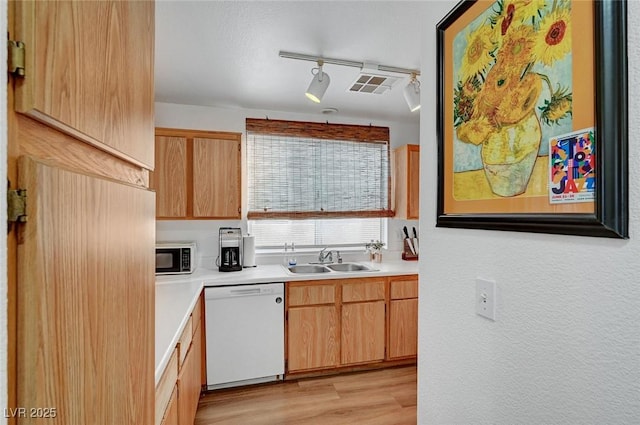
(320,293)
(354,290)
(166,386)
(185,341)
(196,316)
(402,289)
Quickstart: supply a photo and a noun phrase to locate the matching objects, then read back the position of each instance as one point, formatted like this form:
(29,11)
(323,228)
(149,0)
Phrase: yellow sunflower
(517,47)
(476,57)
(501,79)
(554,37)
(526,10)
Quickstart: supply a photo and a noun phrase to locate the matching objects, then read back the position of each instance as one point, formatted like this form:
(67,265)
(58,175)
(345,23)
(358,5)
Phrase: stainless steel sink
(348,267)
(308,268)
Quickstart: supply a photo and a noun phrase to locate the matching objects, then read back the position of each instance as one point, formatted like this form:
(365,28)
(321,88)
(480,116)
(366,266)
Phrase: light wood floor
(380,397)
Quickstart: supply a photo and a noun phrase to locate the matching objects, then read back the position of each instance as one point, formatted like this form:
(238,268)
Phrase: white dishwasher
(244,334)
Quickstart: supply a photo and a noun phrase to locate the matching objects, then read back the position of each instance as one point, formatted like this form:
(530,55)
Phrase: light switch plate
(486,298)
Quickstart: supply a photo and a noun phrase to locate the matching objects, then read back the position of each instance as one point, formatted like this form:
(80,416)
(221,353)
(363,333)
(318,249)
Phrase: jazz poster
(572,162)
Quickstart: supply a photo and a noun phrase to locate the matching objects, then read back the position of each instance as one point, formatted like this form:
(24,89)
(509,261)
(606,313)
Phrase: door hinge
(16,57)
(16,205)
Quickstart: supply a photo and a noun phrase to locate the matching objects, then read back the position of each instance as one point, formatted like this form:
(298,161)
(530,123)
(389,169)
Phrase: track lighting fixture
(412,93)
(366,83)
(319,83)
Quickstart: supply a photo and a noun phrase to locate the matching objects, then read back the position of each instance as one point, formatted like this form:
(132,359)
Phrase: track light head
(319,84)
(412,94)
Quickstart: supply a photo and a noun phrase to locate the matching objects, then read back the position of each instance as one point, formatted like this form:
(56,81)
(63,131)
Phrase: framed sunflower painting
(532,117)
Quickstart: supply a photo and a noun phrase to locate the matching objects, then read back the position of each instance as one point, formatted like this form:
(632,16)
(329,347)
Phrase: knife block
(407,255)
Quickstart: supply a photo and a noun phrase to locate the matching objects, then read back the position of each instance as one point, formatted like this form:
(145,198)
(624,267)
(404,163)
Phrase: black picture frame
(611,215)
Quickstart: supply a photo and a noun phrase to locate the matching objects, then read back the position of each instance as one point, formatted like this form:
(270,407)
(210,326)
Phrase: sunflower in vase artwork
(513,84)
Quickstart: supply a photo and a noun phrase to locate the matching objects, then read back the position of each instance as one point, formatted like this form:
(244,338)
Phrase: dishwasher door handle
(252,291)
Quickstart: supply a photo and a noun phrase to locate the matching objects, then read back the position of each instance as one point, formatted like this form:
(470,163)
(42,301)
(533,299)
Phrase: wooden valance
(318,130)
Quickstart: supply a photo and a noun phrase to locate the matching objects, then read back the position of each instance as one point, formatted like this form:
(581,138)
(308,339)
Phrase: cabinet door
(216,178)
(89,72)
(403,328)
(85,295)
(407,181)
(189,382)
(413,183)
(171,414)
(170,177)
(312,335)
(363,332)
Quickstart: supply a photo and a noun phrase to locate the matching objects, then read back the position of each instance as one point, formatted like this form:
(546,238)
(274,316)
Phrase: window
(337,232)
(317,184)
(314,170)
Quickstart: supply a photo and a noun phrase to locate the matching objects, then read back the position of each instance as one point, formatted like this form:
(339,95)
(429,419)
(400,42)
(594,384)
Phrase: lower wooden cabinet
(178,392)
(171,414)
(313,336)
(362,332)
(189,381)
(350,322)
(403,317)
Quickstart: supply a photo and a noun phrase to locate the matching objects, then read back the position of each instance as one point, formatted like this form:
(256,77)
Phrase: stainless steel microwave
(175,258)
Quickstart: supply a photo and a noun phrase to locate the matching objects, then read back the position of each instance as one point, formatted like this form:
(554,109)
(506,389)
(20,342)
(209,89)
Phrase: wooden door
(85,298)
(89,72)
(363,330)
(216,178)
(403,328)
(313,340)
(170,178)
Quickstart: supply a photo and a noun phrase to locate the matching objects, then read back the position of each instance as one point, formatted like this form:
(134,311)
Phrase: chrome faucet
(324,255)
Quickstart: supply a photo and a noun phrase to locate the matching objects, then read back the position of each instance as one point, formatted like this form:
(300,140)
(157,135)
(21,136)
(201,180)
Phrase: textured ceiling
(225,53)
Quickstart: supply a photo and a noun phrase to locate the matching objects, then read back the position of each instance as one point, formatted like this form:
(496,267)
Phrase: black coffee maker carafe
(230,249)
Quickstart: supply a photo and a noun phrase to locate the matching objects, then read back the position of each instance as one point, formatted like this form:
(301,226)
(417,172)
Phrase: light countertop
(176,295)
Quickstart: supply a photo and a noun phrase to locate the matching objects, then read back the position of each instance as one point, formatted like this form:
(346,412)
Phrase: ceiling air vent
(371,80)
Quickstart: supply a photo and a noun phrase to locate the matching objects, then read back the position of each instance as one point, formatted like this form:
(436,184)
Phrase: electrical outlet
(486,298)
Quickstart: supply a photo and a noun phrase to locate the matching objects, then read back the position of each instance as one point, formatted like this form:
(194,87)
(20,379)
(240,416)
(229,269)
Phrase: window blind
(297,170)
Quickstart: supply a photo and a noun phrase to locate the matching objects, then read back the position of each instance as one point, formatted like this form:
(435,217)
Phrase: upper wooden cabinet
(89,72)
(197,174)
(407,181)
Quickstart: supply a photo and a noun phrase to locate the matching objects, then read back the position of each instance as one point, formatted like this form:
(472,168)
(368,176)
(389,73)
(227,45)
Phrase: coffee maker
(230,249)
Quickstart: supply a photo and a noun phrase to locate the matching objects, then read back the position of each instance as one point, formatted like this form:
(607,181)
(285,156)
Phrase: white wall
(565,346)
(3,219)
(205,232)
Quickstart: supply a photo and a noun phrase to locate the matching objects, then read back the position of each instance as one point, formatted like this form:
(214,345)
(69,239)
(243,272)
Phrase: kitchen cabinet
(333,323)
(403,317)
(166,405)
(312,325)
(171,415)
(351,323)
(81,269)
(189,385)
(407,182)
(363,321)
(197,174)
(178,391)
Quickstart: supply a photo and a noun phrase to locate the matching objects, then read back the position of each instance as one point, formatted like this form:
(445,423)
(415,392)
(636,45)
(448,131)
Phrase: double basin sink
(328,268)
